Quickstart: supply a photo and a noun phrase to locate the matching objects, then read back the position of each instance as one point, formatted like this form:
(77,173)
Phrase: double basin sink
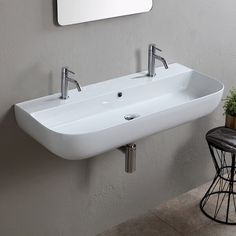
(116,112)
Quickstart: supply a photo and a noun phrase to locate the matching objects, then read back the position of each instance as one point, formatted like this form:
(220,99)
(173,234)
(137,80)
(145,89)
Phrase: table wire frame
(219,202)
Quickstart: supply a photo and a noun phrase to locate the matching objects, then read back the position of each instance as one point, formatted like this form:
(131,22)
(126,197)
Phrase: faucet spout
(162,59)
(75,82)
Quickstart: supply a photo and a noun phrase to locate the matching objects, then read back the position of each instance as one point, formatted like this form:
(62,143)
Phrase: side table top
(222,138)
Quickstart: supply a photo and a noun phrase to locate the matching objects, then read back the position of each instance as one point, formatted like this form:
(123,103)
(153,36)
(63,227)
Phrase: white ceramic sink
(93,121)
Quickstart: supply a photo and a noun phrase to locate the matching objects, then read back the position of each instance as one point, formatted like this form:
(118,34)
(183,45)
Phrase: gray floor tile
(215,229)
(179,216)
(147,225)
(183,213)
(200,191)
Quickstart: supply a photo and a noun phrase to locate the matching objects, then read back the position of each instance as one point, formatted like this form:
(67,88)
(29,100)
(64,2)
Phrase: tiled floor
(178,217)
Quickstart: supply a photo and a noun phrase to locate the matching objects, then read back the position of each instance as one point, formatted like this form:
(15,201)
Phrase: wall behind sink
(41,194)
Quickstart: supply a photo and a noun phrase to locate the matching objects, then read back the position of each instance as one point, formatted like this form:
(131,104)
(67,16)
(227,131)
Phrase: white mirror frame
(79,11)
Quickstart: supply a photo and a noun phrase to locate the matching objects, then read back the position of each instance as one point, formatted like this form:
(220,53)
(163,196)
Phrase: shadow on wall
(23,160)
(54,9)
(193,156)
(138,60)
(52,14)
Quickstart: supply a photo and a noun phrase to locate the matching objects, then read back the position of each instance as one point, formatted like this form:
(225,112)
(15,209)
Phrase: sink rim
(74,95)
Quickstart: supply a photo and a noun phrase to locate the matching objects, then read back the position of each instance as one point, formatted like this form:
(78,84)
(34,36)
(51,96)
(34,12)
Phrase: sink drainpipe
(130,157)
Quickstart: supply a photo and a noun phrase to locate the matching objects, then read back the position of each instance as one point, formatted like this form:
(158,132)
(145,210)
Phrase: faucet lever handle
(65,70)
(153,46)
(156,48)
(69,71)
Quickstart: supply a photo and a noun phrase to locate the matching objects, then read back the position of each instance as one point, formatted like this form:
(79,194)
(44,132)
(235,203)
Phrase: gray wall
(43,195)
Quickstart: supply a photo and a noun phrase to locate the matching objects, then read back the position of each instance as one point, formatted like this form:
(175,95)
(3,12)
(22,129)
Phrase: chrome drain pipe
(130,157)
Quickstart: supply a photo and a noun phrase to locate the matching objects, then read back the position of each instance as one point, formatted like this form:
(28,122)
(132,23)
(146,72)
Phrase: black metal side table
(219,202)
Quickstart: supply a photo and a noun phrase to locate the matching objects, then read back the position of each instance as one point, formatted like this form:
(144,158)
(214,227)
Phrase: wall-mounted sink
(116,112)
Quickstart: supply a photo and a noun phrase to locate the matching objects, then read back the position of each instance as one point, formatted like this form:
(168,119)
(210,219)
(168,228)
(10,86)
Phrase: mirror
(78,11)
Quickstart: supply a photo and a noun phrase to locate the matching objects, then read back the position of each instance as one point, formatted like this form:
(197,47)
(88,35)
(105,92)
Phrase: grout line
(171,226)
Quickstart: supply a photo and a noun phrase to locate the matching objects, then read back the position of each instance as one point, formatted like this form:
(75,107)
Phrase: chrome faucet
(152,56)
(65,79)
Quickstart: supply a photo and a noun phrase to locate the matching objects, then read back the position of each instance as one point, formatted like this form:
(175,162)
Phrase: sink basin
(117,112)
